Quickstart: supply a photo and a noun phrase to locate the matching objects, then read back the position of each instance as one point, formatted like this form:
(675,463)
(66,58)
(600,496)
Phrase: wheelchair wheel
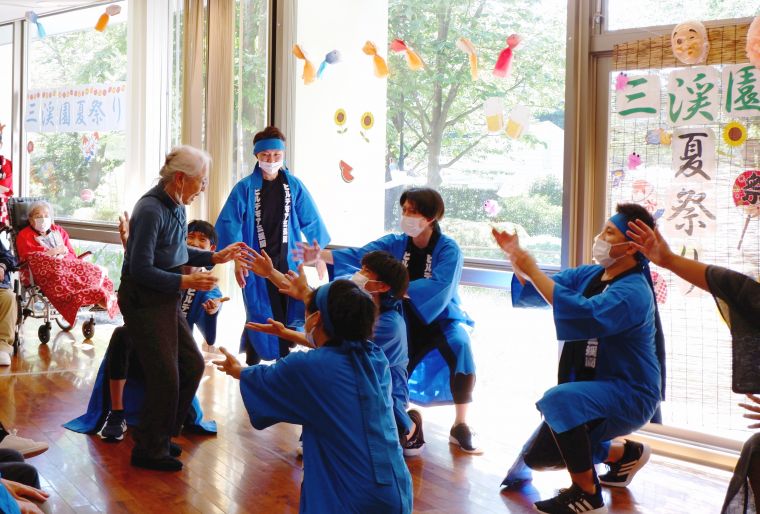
(44,332)
(88,329)
(64,325)
(16,343)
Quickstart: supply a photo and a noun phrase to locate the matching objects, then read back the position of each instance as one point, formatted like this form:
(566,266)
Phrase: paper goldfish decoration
(331,58)
(309,71)
(381,68)
(412,58)
(467,47)
(503,63)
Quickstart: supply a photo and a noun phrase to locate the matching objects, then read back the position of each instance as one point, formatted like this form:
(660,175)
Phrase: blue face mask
(310,333)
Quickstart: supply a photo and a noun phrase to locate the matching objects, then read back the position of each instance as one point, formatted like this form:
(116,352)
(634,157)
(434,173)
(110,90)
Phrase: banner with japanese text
(88,108)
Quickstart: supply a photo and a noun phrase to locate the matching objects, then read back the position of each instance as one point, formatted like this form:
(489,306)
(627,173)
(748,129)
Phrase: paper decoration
(504,62)
(86,195)
(639,98)
(621,81)
(30,147)
(658,137)
(518,121)
(617,177)
(693,96)
(31,17)
(467,47)
(660,287)
(309,72)
(340,120)
(494,111)
(734,134)
(367,122)
(332,57)
(345,172)
(90,146)
(46,171)
(746,194)
(740,91)
(694,154)
(689,42)
(690,210)
(644,194)
(413,60)
(2,127)
(753,42)
(381,68)
(94,107)
(491,208)
(634,161)
(111,10)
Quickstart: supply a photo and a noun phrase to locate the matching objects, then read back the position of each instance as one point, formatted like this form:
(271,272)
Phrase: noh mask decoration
(689,42)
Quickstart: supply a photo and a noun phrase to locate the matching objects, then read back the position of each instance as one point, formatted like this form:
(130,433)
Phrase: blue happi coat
(134,391)
(237,223)
(435,300)
(351,465)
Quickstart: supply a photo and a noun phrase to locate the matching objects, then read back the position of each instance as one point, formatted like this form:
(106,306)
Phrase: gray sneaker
(462,436)
(115,427)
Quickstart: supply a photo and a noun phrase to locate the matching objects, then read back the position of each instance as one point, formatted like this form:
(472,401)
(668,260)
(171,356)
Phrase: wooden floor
(244,470)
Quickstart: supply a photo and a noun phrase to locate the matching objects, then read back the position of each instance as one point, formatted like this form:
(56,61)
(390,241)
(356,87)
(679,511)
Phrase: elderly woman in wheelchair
(49,262)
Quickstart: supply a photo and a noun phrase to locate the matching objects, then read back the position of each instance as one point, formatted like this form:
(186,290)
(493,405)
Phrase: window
(251,85)
(109,256)
(6,90)
(74,113)
(649,13)
(361,140)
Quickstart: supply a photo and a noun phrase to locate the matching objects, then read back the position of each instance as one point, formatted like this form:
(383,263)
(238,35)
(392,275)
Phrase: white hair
(185,158)
(40,204)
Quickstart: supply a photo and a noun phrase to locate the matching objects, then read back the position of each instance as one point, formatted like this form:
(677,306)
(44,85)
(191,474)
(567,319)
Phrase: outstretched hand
(229,365)
(298,286)
(308,253)
(272,327)
(523,263)
(261,264)
(753,408)
(649,242)
(239,252)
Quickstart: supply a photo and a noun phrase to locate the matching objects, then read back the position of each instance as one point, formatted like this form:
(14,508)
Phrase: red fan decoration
(747,197)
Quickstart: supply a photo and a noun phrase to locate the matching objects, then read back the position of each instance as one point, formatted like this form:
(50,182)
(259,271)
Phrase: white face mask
(41,225)
(413,225)
(270,168)
(310,333)
(601,253)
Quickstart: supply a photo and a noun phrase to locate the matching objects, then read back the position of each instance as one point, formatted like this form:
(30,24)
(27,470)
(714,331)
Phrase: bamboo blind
(727,46)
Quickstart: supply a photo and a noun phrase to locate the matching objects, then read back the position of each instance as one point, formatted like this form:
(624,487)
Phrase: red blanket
(72,283)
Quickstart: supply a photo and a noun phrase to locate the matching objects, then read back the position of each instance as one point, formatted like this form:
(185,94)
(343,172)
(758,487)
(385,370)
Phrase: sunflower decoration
(368,121)
(340,120)
(734,134)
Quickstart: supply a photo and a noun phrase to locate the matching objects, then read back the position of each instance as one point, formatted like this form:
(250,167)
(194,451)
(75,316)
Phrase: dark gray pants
(171,362)
(13,467)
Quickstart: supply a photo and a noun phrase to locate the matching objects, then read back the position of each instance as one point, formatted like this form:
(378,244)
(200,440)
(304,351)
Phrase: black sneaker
(416,441)
(620,473)
(573,501)
(158,464)
(115,426)
(461,435)
(174,450)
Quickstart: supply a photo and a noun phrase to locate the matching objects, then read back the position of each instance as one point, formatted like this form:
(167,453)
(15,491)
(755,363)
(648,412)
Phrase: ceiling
(15,9)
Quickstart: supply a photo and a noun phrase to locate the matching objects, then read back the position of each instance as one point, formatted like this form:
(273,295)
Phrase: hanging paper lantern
(467,47)
(86,195)
(413,60)
(309,72)
(734,134)
(331,58)
(503,63)
(381,68)
(689,42)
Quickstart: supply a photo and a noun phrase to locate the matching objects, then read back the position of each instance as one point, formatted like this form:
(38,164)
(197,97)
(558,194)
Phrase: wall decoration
(367,122)
(111,10)
(518,121)
(639,97)
(689,42)
(340,120)
(658,137)
(690,211)
(345,172)
(309,72)
(660,287)
(504,61)
(694,154)
(467,47)
(693,96)
(413,60)
(30,147)
(734,134)
(86,195)
(90,146)
(381,68)
(494,111)
(2,127)
(76,109)
(753,42)
(617,177)
(634,161)
(644,194)
(740,92)
(621,81)
(32,18)
(491,208)
(332,57)
(746,194)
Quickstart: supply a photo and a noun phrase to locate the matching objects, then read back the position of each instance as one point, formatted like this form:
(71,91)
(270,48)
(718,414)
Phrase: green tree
(435,115)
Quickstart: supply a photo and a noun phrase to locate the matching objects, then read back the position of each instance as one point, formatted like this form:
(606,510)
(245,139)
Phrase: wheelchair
(30,301)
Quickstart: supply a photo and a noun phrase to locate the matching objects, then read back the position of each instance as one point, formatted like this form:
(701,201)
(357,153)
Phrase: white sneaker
(5,359)
(25,447)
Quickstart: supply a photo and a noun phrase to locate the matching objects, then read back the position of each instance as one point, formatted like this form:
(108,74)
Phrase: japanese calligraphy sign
(640,97)
(740,90)
(693,154)
(94,107)
(690,211)
(746,194)
(693,97)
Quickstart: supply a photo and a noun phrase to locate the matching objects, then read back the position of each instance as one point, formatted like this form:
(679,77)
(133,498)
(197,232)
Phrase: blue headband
(268,144)
(321,301)
(620,220)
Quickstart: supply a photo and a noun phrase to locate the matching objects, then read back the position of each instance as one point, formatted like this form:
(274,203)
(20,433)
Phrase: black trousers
(170,360)
(13,467)
(119,353)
